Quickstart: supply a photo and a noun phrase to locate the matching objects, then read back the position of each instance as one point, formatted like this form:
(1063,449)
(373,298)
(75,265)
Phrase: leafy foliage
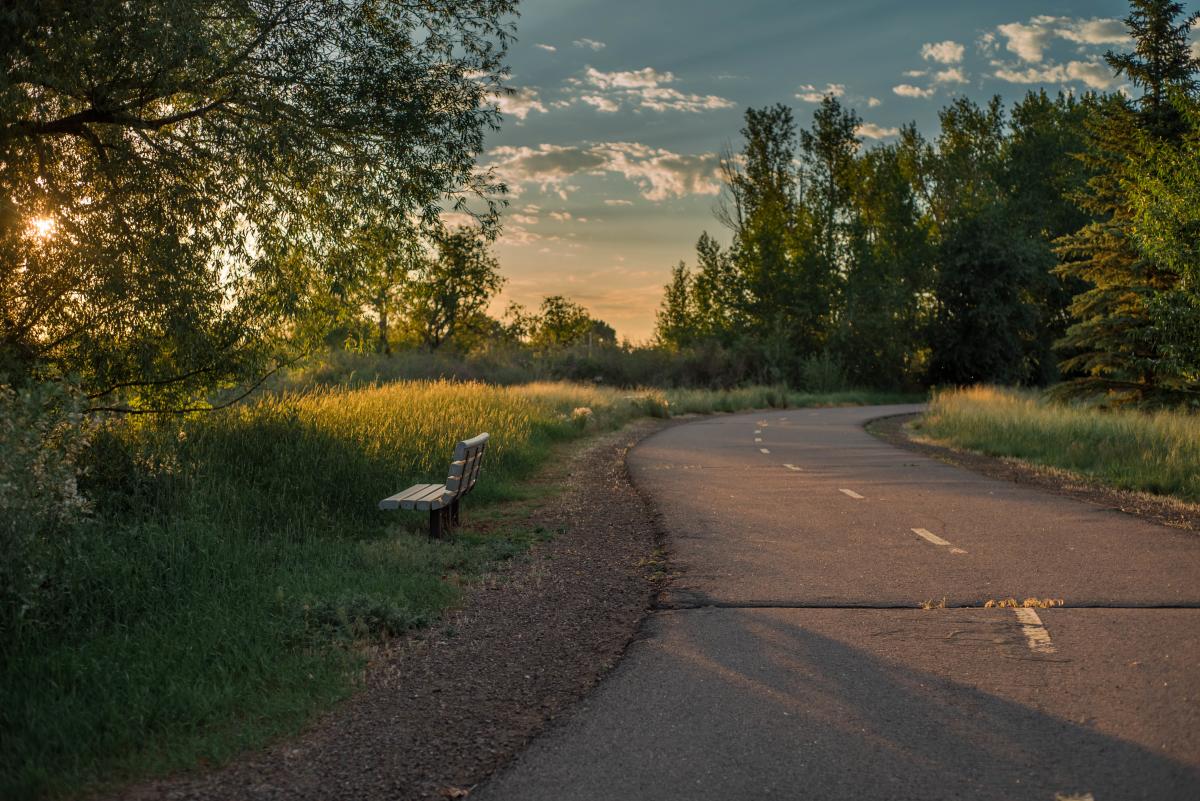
(181,184)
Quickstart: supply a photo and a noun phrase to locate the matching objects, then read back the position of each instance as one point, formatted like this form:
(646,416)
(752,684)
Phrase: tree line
(1052,242)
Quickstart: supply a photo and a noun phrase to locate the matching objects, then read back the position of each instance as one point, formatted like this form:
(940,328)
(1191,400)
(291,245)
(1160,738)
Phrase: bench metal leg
(436,517)
(454,516)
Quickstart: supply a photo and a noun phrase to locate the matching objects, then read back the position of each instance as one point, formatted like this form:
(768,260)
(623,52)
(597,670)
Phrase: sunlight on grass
(1155,452)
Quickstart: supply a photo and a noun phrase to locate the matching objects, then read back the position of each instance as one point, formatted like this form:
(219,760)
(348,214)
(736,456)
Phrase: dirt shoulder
(1167,511)
(445,708)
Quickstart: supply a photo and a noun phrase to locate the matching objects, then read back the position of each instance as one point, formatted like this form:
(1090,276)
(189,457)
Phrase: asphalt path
(791,657)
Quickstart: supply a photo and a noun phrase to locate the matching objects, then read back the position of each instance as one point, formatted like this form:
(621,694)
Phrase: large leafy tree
(450,291)
(1120,344)
(180,182)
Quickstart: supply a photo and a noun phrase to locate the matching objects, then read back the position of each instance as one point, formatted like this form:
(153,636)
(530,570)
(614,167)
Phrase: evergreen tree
(1114,345)
(1161,61)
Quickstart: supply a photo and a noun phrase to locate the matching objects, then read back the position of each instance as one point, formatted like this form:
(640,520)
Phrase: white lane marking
(929,535)
(758,439)
(791,467)
(758,431)
(935,539)
(764,450)
(1035,633)
(851,493)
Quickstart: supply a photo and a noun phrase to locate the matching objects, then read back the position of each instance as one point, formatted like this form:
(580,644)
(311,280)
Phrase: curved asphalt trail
(788,661)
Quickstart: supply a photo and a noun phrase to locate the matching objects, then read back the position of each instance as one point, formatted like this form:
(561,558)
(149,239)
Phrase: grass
(1156,452)
(235,564)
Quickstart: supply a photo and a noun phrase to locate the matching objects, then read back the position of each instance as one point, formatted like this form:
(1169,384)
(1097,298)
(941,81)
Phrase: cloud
(947,52)
(523,219)
(590,44)
(520,103)
(560,216)
(1095,31)
(629,79)
(810,94)
(872,102)
(1095,74)
(612,202)
(547,48)
(547,166)
(908,90)
(1029,40)
(951,75)
(659,174)
(601,103)
(870,130)
(915,73)
(645,88)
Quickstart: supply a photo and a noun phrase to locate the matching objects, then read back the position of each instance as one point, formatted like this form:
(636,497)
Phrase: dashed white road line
(764,450)
(758,439)
(758,431)
(851,493)
(926,534)
(792,467)
(1035,633)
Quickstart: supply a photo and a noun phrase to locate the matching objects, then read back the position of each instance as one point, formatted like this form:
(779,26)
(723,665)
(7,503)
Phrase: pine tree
(1113,347)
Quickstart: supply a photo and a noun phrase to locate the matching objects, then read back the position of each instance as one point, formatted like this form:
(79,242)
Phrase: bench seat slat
(409,498)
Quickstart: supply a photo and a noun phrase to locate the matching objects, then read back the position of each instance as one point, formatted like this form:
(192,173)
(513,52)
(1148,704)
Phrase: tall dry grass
(1157,452)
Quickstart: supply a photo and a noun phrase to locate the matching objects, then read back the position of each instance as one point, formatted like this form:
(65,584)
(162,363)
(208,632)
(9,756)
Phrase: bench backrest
(464,469)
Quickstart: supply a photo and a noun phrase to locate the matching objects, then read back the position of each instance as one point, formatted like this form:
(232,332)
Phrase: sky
(620,109)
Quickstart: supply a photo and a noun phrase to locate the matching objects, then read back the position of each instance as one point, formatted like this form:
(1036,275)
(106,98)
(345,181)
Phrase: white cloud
(811,94)
(645,88)
(547,166)
(870,130)
(915,73)
(1196,48)
(661,174)
(872,102)
(612,202)
(1029,40)
(601,103)
(658,173)
(590,44)
(630,79)
(560,216)
(523,219)
(1094,74)
(520,103)
(908,90)
(947,52)
(547,48)
(1095,31)
(951,75)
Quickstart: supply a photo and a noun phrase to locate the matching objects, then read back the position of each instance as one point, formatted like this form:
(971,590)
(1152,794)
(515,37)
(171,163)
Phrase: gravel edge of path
(445,708)
(1157,509)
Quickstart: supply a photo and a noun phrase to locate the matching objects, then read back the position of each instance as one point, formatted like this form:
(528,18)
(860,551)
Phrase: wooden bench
(442,500)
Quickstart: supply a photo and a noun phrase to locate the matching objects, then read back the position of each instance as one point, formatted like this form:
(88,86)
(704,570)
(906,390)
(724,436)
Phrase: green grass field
(1133,450)
(235,562)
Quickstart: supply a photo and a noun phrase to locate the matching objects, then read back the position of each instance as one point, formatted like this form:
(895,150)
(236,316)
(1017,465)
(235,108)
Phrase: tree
(560,323)
(1040,177)
(1161,62)
(1117,345)
(675,323)
(180,182)
(879,337)
(453,288)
